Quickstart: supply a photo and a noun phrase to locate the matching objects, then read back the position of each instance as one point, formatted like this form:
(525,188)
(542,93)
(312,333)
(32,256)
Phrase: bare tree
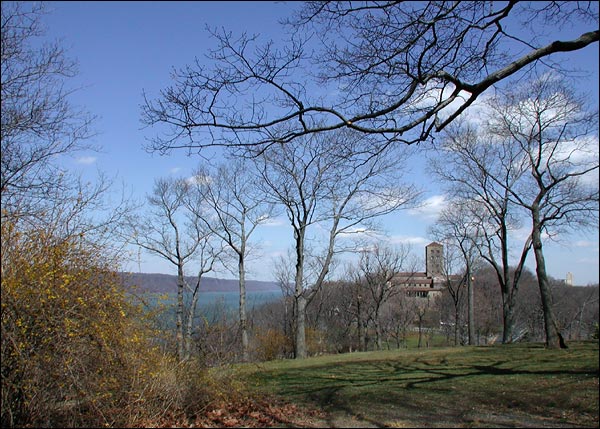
(457,228)
(401,70)
(482,172)
(237,207)
(456,286)
(556,138)
(340,316)
(488,305)
(534,159)
(40,129)
(174,233)
(576,309)
(377,267)
(359,306)
(401,315)
(284,276)
(424,310)
(339,181)
(39,124)
(217,334)
(208,254)
(529,314)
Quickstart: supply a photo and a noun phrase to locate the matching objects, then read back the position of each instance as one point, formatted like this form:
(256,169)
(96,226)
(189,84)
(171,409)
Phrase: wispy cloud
(431,207)
(174,170)
(584,243)
(407,239)
(198,180)
(273,221)
(86,160)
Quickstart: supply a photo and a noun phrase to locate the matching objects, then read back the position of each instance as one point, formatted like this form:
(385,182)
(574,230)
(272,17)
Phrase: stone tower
(434,258)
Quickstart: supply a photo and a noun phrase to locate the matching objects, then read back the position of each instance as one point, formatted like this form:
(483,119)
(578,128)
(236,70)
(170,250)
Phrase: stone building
(427,284)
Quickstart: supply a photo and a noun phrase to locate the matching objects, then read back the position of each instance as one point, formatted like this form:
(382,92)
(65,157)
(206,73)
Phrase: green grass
(522,385)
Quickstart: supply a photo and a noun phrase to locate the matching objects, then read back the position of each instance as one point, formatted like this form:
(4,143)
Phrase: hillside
(165,283)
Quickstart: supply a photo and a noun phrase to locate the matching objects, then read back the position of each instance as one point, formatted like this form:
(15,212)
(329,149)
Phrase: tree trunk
(506,287)
(179,314)
(508,317)
(420,332)
(554,339)
(243,318)
(456,323)
(362,344)
(300,352)
(299,297)
(471,305)
(378,330)
(190,321)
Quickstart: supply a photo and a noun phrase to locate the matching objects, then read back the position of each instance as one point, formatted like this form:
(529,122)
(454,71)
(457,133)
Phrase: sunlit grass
(461,386)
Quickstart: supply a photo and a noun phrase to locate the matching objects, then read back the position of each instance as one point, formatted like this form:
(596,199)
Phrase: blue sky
(124,48)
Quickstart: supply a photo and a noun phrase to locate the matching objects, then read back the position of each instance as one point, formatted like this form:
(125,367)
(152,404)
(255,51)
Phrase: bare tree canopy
(557,138)
(174,231)
(401,70)
(335,183)
(230,204)
(377,267)
(532,158)
(39,124)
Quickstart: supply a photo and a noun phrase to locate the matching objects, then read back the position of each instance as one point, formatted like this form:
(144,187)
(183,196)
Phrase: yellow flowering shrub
(74,349)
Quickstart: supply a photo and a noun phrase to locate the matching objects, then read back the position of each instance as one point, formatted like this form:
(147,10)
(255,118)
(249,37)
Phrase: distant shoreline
(166,283)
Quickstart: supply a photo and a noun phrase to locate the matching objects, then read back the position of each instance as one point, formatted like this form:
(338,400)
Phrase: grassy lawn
(522,385)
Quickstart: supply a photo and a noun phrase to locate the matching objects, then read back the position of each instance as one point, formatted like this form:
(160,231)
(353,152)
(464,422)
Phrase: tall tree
(557,138)
(534,158)
(479,171)
(174,233)
(387,68)
(236,208)
(359,306)
(339,181)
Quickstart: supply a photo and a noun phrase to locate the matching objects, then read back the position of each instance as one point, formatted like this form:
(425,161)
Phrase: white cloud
(174,170)
(431,207)
(86,160)
(433,94)
(519,235)
(198,180)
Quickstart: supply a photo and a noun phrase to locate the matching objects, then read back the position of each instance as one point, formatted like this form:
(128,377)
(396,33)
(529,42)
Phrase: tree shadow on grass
(423,392)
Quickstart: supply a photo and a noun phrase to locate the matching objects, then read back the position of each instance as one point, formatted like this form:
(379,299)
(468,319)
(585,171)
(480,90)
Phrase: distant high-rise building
(569,279)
